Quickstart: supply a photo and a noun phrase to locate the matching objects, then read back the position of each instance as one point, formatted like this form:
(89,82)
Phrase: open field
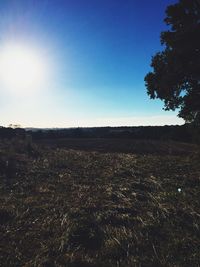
(96,203)
(119,145)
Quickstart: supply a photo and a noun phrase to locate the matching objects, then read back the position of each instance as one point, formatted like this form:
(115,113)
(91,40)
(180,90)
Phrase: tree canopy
(175,78)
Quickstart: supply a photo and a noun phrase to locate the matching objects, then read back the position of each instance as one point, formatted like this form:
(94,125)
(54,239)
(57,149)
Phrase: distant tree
(175,78)
(14,126)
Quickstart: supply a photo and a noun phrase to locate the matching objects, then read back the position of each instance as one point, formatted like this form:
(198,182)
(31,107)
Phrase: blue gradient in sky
(99,52)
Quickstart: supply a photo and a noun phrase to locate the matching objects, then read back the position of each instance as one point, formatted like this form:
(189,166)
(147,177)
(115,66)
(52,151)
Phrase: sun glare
(21,68)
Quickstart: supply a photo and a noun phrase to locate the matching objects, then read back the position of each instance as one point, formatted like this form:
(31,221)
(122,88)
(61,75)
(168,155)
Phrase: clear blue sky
(98,52)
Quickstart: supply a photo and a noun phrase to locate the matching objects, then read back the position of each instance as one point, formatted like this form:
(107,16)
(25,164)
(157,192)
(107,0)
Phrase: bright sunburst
(21,68)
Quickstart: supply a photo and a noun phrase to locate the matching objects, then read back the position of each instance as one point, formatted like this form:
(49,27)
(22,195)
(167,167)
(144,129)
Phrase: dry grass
(74,208)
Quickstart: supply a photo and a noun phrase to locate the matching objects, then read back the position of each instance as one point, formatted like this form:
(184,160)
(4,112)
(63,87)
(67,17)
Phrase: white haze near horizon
(98,122)
(49,109)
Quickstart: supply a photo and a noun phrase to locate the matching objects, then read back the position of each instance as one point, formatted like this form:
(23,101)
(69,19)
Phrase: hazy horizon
(113,122)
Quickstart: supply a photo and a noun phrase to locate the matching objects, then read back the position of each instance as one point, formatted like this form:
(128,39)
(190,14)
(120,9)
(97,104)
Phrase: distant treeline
(9,133)
(182,133)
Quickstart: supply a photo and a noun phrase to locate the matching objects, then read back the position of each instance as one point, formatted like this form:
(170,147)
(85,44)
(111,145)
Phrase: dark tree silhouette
(175,78)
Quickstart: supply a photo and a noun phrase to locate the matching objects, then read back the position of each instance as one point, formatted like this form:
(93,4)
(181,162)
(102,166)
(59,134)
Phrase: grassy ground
(64,207)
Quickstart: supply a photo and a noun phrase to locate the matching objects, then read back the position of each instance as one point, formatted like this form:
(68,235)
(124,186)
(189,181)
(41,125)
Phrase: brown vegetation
(64,207)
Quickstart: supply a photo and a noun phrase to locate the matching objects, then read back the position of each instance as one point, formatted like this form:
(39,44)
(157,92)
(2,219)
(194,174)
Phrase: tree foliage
(175,78)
